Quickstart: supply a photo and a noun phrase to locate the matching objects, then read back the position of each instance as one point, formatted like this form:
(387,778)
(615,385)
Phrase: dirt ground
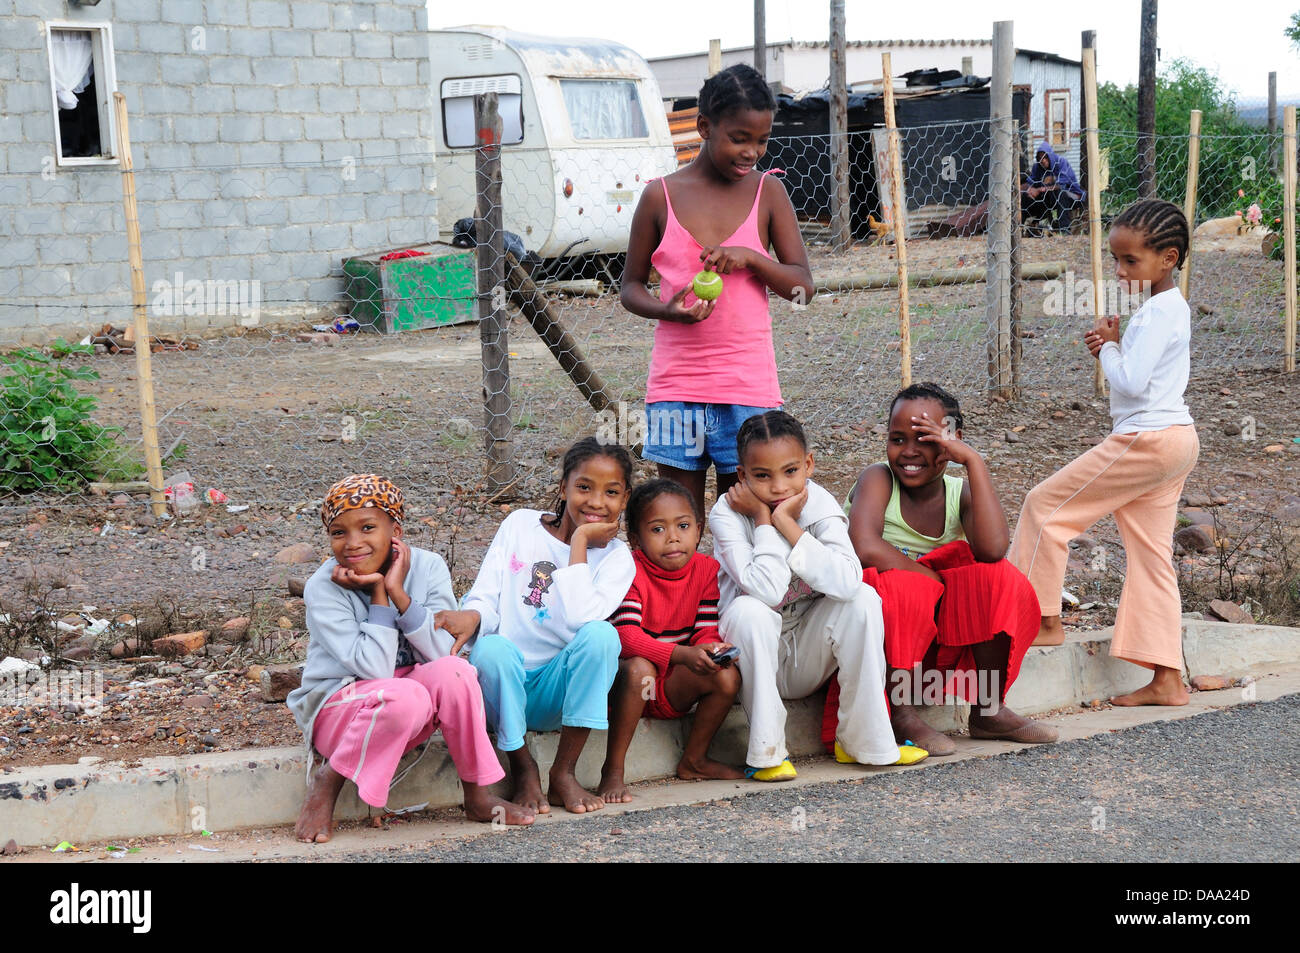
(272,422)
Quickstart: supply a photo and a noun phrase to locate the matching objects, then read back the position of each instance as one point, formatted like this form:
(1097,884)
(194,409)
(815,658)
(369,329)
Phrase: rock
(1198,517)
(120,500)
(10,848)
(1084,542)
(234,630)
(284,622)
(1011,437)
(296,585)
(197,701)
(328,338)
(1194,539)
(1230,612)
(1197,499)
(1210,683)
(183,643)
(297,553)
(1274,448)
(1058,415)
(228,531)
(459,427)
(279,681)
(125,649)
(1231,430)
(254,673)
(210,740)
(1206,309)
(220,651)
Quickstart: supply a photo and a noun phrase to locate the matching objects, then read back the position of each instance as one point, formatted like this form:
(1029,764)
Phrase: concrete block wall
(270,139)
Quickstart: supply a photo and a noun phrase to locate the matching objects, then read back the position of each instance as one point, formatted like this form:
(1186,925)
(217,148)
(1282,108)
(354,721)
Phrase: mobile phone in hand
(727,656)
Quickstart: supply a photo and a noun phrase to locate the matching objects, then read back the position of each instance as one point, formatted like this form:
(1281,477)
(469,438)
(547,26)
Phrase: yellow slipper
(908,753)
(782,772)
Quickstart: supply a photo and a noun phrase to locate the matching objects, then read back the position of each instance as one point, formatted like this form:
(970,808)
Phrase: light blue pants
(571,689)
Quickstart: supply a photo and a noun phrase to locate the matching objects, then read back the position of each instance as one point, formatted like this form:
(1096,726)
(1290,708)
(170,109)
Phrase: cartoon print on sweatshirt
(542,574)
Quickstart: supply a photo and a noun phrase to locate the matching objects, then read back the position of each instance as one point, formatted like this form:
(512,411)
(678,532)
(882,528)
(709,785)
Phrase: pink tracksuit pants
(366,727)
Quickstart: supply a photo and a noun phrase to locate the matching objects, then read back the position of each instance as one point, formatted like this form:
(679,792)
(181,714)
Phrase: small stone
(1206,309)
(228,531)
(1085,542)
(616,832)
(1194,539)
(1011,437)
(297,553)
(1274,448)
(254,673)
(209,740)
(296,586)
(277,682)
(1058,415)
(1230,612)
(10,848)
(235,630)
(459,427)
(329,339)
(1210,683)
(1198,517)
(120,499)
(1197,499)
(197,701)
(180,644)
(124,649)
(1231,430)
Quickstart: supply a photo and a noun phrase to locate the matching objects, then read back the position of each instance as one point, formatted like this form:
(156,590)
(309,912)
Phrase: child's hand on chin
(360,582)
(742,500)
(793,506)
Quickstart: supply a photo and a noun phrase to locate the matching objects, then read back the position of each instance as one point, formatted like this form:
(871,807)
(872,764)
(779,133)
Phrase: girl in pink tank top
(713,364)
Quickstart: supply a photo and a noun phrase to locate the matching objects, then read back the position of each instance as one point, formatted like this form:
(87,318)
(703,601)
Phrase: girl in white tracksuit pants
(797,613)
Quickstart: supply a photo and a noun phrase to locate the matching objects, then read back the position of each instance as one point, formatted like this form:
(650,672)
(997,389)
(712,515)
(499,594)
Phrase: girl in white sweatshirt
(794,603)
(1137,472)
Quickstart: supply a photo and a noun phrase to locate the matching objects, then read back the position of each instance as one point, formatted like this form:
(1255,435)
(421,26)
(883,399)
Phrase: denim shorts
(691,436)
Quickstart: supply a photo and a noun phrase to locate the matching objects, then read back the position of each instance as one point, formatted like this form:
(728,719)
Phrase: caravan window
(458,109)
(604,109)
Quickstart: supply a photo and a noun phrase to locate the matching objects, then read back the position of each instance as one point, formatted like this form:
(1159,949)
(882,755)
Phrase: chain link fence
(253,402)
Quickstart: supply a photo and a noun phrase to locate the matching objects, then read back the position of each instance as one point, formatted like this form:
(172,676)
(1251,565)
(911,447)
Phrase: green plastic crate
(410,294)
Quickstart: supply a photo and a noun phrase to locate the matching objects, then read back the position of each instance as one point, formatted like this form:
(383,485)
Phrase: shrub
(47,437)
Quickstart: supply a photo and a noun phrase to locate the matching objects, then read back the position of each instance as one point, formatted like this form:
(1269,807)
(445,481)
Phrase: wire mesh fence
(250,405)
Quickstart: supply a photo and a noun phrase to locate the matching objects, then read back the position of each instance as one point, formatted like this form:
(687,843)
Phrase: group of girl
(913,576)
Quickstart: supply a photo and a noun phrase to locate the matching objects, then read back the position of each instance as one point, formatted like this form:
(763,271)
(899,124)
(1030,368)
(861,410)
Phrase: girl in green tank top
(904,510)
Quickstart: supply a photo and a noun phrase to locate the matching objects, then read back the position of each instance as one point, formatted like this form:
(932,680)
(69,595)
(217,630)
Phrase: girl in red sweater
(668,624)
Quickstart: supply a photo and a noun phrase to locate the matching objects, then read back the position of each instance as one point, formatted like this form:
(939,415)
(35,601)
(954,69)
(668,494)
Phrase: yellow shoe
(781,772)
(908,753)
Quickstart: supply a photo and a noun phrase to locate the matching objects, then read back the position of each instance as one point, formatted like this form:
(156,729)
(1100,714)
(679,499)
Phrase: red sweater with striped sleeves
(666,608)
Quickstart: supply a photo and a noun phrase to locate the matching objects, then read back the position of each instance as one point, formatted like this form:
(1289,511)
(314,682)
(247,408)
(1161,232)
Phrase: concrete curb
(263,787)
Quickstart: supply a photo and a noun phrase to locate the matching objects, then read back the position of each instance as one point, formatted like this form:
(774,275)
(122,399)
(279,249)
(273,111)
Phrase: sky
(1242,49)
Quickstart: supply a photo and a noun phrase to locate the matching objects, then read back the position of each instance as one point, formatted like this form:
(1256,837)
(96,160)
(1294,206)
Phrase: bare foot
(566,792)
(613,789)
(1050,631)
(908,725)
(1153,694)
(703,769)
(316,819)
(528,783)
(484,806)
(1009,726)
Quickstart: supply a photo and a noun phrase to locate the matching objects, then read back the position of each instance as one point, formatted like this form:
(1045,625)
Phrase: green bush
(47,437)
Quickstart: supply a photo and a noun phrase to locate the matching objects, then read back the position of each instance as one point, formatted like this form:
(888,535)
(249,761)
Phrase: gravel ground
(1198,789)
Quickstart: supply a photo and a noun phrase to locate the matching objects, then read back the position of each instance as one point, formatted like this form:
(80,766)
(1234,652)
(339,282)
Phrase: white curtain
(72,62)
(604,109)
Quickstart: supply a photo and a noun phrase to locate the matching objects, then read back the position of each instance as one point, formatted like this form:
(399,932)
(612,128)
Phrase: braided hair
(1161,223)
(648,492)
(733,89)
(767,426)
(930,391)
(582,451)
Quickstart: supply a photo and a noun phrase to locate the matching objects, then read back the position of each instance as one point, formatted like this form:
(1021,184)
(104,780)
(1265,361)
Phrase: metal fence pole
(494,321)
(1002,187)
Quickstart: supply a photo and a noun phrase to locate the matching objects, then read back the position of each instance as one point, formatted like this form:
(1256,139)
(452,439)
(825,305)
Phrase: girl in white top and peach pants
(1137,472)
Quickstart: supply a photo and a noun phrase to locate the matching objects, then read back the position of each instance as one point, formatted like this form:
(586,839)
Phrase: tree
(1293,31)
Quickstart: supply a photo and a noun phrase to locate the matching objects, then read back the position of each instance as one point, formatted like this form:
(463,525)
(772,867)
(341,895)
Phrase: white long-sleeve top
(1148,369)
(759,562)
(527,591)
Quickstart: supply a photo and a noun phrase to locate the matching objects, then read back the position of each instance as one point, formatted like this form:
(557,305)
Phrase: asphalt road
(1217,787)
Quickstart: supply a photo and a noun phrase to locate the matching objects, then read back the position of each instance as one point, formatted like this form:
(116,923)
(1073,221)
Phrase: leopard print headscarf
(362,490)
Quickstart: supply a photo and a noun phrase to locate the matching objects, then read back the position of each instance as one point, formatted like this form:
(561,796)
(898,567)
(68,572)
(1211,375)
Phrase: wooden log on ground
(1033,271)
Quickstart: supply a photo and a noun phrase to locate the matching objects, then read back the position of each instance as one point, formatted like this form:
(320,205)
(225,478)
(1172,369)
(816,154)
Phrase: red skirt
(933,626)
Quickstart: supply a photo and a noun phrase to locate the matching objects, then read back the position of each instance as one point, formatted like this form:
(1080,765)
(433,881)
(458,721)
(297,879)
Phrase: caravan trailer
(583,130)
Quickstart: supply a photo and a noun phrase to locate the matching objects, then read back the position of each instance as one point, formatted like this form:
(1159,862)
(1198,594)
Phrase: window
(1058,118)
(458,109)
(82,83)
(604,109)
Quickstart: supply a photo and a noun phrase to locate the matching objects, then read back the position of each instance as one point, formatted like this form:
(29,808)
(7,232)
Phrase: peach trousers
(1138,477)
